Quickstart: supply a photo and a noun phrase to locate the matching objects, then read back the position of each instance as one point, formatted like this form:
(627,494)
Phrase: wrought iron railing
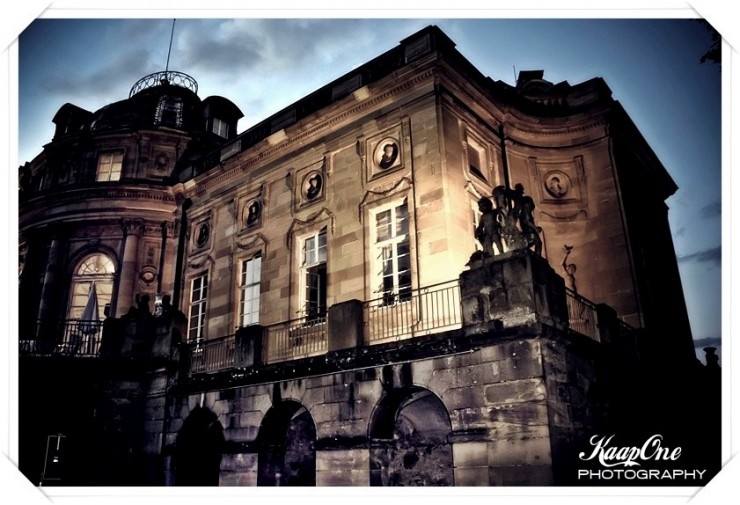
(72,337)
(169,77)
(419,312)
(207,356)
(432,309)
(295,339)
(582,316)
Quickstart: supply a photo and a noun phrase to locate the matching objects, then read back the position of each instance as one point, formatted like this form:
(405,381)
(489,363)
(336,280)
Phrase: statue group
(509,224)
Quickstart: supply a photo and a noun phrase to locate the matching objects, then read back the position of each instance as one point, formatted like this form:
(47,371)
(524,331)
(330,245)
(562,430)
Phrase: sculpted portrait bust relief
(387,154)
(254,211)
(557,184)
(313,186)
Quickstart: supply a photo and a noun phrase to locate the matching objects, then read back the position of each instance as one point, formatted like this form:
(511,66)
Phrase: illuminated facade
(315,317)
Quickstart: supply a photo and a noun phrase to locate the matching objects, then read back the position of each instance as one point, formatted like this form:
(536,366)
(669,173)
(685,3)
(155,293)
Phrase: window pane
(196,323)
(404,255)
(322,247)
(250,291)
(109,166)
(257,268)
(244,277)
(383,225)
(402,220)
(309,257)
(96,268)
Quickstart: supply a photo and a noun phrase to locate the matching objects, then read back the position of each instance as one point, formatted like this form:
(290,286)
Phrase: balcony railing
(72,337)
(432,309)
(425,311)
(582,315)
(295,339)
(206,356)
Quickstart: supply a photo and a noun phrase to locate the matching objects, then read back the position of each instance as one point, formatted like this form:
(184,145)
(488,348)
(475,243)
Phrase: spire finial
(172,33)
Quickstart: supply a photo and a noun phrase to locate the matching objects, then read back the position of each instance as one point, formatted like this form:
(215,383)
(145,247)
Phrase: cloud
(263,65)
(261,48)
(708,342)
(711,210)
(713,255)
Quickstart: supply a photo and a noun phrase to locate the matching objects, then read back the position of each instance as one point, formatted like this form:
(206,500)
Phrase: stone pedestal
(512,289)
(248,350)
(345,325)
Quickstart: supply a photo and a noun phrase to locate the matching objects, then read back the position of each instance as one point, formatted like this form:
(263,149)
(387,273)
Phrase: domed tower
(99,206)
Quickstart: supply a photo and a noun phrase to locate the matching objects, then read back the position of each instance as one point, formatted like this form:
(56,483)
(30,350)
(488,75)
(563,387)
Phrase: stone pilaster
(132,229)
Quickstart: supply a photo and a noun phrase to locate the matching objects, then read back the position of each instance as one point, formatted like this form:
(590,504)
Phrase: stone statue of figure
(569,269)
(488,229)
(506,219)
(523,211)
(509,223)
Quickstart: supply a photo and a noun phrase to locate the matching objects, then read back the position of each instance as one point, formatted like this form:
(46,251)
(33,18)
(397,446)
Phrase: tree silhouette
(714,54)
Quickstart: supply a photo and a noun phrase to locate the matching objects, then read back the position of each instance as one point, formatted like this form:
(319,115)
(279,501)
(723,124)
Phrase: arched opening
(409,436)
(90,291)
(287,454)
(198,449)
(92,279)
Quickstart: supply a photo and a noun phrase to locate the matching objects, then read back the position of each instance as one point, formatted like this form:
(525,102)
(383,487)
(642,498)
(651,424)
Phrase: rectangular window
(477,160)
(313,273)
(220,128)
(393,253)
(169,112)
(109,166)
(249,286)
(198,297)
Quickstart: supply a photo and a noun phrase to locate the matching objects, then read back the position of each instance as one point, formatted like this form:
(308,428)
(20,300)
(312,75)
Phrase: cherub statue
(506,219)
(523,211)
(488,230)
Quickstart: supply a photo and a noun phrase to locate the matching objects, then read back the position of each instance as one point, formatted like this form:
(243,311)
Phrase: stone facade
(318,316)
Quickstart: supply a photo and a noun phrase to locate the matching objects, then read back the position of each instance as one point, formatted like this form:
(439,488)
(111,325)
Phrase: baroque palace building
(320,300)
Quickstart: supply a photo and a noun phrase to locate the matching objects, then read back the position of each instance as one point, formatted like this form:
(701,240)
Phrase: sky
(652,67)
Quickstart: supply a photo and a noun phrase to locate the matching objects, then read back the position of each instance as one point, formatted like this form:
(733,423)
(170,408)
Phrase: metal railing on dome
(169,77)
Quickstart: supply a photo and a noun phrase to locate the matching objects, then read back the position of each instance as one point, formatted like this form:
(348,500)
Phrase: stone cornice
(261,152)
(516,121)
(69,196)
(553,131)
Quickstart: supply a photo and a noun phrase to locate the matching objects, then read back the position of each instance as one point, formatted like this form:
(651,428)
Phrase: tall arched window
(98,270)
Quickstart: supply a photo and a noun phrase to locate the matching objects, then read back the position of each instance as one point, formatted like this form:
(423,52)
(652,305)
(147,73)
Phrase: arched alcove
(198,449)
(287,456)
(92,277)
(409,440)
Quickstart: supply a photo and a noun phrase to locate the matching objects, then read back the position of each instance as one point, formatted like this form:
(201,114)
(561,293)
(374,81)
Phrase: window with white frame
(249,288)
(313,276)
(109,166)
(198,298)
(392,252)
(220,128)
